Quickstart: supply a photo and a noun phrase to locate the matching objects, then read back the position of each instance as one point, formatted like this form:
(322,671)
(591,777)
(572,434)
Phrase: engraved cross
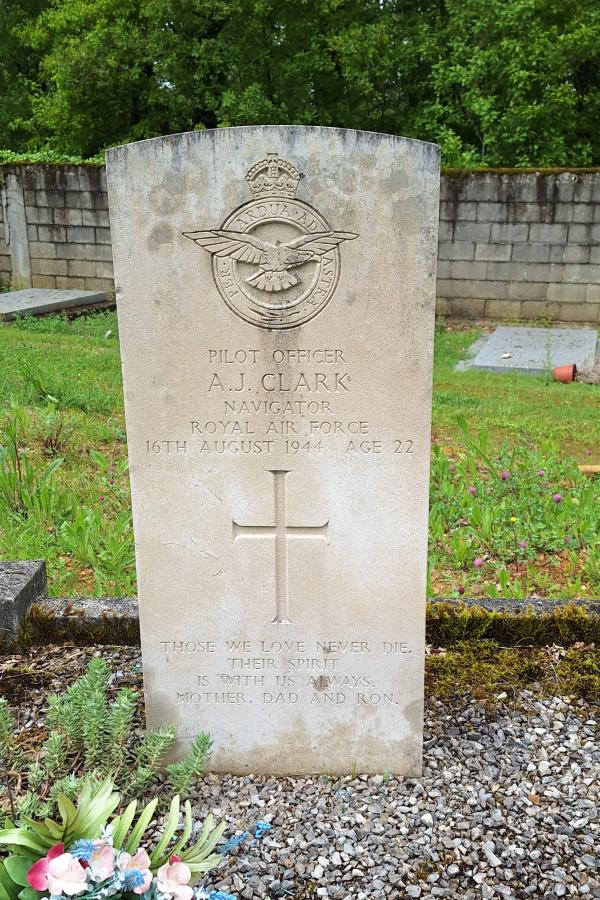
(282,532)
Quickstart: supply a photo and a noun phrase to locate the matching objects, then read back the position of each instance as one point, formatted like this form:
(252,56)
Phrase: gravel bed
(507,807)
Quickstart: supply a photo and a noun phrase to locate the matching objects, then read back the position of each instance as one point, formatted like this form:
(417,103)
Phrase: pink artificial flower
(37,875)
(66,875)
(173,879)
(141,862)
(102,861)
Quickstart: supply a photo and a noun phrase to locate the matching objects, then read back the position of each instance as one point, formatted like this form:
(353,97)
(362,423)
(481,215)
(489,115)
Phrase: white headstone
(275,288)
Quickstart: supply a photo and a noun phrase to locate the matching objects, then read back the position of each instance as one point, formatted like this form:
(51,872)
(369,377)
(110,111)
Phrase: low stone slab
(535,351)
(37,301)
(532,622)
(84,620)
(21,585)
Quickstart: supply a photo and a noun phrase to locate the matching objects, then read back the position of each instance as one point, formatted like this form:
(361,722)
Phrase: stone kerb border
(28,617)
(511,623)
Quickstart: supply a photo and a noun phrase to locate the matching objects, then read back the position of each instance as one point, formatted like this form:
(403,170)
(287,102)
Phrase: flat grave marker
(275,289)
(39,301)
(535,351)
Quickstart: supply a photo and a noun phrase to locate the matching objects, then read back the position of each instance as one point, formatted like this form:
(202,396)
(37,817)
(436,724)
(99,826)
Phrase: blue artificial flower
(220,895)
(82,849)
(131,878)
(261,829)
(232,843)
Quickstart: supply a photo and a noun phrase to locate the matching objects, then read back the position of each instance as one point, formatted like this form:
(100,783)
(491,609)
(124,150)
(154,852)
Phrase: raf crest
(276,261)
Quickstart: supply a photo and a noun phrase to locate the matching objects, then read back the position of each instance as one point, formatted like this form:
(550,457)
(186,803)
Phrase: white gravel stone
(480,824)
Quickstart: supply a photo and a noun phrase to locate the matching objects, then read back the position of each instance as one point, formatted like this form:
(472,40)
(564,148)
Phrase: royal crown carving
(273,177)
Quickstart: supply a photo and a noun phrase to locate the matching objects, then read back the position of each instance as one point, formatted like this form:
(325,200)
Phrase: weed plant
(90,738)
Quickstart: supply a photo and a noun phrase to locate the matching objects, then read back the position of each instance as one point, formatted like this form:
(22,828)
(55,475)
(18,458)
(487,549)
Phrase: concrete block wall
(5,261)
(520,246)
(65,209)
(512,245)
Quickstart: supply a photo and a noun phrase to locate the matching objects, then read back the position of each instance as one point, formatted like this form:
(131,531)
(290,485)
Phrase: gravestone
(275,288)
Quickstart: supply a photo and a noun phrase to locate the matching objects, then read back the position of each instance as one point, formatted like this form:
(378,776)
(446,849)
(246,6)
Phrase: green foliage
(90,739)
(182,773)
(43,157)
(495,510)
(24,490)
(33,501)
(505,82)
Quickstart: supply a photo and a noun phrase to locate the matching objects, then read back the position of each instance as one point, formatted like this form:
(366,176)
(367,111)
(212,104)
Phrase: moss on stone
(449,623)
(484,669)
(42,626)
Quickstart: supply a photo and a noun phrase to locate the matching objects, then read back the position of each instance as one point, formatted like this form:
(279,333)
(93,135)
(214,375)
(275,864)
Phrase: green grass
(526,409)
(64,493)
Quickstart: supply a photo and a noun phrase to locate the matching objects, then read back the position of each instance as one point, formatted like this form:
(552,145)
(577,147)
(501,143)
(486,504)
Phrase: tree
(495,82)
(18,70)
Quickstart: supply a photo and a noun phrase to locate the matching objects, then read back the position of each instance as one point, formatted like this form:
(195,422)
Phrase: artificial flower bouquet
(89,856)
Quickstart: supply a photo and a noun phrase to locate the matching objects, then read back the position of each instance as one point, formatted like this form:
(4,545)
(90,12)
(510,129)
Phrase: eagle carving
(274,259)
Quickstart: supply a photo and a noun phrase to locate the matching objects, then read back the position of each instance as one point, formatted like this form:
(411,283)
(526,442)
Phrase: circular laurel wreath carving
(275,260)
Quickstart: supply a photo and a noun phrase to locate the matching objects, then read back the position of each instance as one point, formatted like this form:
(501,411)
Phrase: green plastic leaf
(187,832)
(122,824)
(18,867)
(142,823)
(169,830)
(29,893)
(18,837)
(67,810)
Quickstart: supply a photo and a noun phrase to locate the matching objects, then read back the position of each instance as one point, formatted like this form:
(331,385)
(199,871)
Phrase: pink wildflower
(478,562)
(558,498)
(542,473)
(523,544)
(460,589)
(473,491)
(505,475)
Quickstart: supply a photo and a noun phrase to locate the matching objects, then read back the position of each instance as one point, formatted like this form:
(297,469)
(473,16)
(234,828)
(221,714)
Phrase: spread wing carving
(235,244)
(273,258)
(321,242)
